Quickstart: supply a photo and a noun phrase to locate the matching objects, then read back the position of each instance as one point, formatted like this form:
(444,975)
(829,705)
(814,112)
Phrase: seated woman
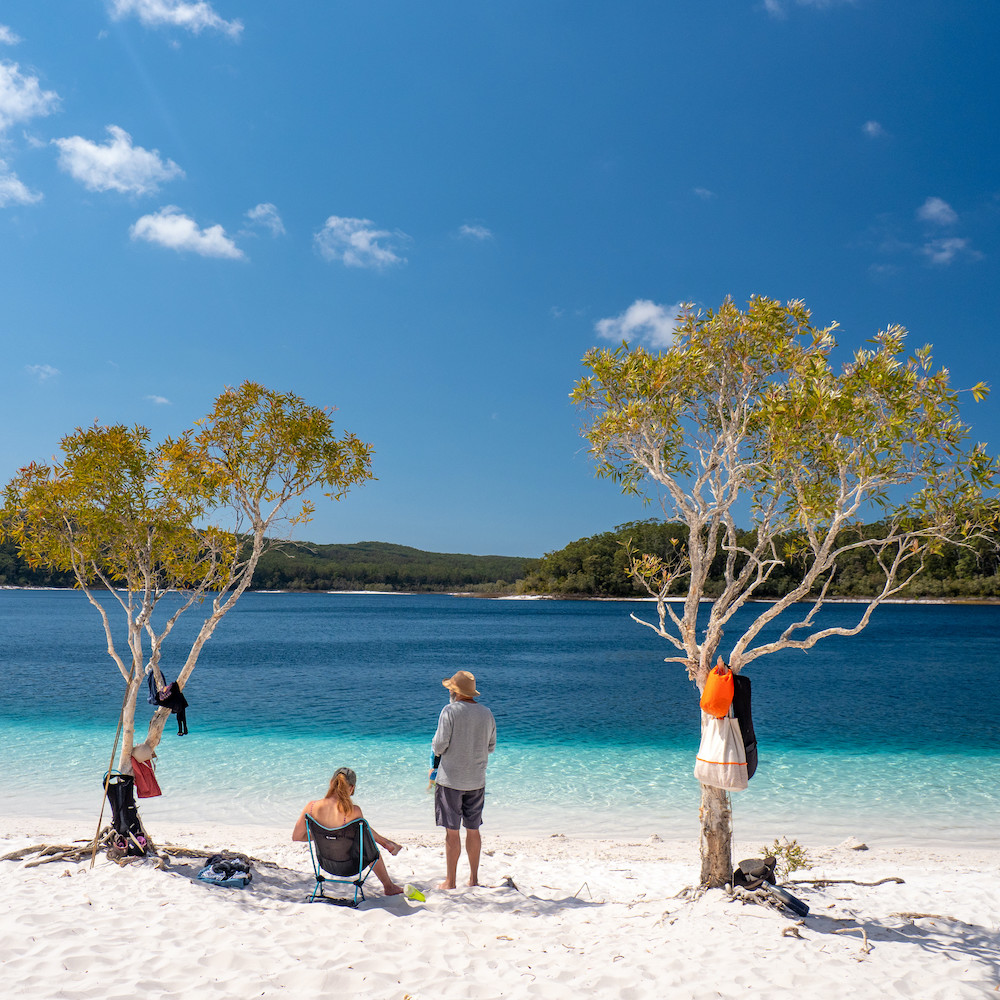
(336,809)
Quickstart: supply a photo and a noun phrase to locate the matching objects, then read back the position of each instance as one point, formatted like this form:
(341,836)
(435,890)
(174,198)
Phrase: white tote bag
(721,761)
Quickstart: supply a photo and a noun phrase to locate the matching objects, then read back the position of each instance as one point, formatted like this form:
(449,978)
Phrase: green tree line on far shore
(598,567)
(309,567)
(588,567)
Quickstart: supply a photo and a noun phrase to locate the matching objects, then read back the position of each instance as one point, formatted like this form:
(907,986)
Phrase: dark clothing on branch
(173,698)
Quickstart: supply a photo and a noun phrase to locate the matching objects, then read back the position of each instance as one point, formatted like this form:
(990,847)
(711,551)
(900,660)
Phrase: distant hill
(362,566)
(383,566)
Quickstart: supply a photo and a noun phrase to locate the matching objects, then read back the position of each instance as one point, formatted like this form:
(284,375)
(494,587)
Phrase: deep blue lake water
(865,736)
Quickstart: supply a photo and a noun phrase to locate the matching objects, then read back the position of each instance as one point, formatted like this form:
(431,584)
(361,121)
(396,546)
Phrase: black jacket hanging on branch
(741,709)
(170,696)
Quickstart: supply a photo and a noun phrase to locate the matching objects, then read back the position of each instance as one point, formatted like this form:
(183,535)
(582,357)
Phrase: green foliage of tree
(189,516)
(746,415)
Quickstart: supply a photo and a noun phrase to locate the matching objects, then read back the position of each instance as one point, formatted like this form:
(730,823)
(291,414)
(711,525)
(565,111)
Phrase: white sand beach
(556,917)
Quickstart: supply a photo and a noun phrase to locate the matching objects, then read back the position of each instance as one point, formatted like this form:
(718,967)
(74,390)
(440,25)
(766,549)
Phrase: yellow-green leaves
(123,510)
(264,448)
(749,399)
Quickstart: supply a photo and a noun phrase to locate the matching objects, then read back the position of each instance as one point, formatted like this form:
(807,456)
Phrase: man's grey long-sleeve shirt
(466,736)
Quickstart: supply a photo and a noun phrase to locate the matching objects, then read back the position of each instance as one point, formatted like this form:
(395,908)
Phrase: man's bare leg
(452,850)
(473,847)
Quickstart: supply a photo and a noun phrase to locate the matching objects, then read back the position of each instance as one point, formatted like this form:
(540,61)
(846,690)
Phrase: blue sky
(425,214)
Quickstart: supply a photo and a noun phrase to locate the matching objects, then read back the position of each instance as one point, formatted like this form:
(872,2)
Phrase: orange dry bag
(718,693)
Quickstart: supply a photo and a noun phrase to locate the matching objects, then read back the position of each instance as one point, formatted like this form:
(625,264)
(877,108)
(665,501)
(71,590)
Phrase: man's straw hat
(462,683)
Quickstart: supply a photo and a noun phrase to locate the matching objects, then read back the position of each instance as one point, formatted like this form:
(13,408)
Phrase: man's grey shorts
(453,806)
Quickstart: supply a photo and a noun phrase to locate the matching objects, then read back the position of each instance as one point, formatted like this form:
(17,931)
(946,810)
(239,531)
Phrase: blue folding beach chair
(345,854)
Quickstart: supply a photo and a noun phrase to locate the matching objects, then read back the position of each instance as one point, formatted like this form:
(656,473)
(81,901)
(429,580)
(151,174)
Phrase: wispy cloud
(22,97)
(7,37)
(938,212)
(474,232)
(171,228)
(779,8)
(704,193)
(192,16)
(944,250)
(266,215)
(645,321)
(116,165)
(873,130)
(937,244)
(13,190)
(159,400)
(41,372)
(355,243)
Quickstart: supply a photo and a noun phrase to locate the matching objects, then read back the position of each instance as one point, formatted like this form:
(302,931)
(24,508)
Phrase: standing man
(466,736)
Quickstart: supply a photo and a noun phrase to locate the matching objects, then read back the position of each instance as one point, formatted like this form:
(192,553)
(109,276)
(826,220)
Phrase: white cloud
(159,400)
(475,232)
(776,8)
(41,372)
(13,191)
(704,193)
(938,211)
(943,251)
(355,243)
(172,229)
(7,37)
(266,215)
(644,320)
(193,16)
(21,97)
(873,130)
(115,166)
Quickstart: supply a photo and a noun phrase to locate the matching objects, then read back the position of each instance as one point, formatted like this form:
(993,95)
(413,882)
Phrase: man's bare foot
(392,889)
(473,882)
(447,885)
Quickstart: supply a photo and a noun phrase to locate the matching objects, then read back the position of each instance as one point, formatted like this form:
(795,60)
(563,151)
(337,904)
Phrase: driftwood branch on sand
(108,842)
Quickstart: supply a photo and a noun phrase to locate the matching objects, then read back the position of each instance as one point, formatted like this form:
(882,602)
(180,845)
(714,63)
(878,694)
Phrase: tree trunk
(716,837)
(128,723)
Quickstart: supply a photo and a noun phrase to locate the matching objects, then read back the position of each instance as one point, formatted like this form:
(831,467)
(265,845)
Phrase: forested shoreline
(592,567)
(597,567)
(312,567)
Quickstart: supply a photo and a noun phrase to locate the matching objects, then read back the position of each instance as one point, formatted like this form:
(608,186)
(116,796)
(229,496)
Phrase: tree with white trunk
(744,417)
(182,523)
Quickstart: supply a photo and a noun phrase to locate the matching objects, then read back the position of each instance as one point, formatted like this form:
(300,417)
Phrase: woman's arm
(299,830)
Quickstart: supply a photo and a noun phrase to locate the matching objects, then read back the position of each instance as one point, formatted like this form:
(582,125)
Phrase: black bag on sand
(125,815)
(754,872)
(787,899)
(758,873)
(741,709)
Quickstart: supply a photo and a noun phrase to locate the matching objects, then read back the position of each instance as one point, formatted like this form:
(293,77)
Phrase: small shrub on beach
(791,855)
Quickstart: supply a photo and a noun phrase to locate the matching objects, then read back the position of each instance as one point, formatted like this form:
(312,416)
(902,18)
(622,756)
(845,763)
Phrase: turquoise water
(880,736)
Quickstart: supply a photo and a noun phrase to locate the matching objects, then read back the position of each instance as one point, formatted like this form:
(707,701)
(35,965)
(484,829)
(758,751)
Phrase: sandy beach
(556,917)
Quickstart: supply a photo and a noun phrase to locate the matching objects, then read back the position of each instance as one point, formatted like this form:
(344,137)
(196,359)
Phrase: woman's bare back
(328,813)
